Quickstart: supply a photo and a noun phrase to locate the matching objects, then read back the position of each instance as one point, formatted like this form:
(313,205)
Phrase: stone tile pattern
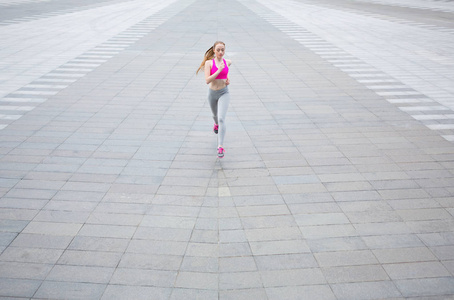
(111,189)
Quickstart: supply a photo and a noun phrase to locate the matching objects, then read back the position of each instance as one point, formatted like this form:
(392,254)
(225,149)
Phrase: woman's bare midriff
(218,84)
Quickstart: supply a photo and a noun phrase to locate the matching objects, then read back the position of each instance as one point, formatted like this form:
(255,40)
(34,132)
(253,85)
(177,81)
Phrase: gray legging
(219,103)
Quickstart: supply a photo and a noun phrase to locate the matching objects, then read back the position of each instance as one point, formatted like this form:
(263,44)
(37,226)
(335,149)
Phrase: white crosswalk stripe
(406,88)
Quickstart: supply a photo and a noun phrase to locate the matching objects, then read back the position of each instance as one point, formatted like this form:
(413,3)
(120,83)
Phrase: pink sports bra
(224,72)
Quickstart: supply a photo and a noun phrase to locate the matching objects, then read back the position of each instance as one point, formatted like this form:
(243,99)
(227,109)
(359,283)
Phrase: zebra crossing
(420,106)
(9,3)
(46,15)
(17,103)
(401,20)
(446,6)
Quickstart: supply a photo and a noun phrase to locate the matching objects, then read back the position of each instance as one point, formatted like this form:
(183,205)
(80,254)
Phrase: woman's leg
(213,101)
(223,105)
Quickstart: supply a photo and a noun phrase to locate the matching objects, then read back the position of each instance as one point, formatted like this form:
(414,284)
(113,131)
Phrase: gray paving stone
(88,243)
(449,265)
(350,274)
(328,231)
(35,194)
(320,219)
(183,293)
(78,206)
(278,278)
(273,234)
(257,200)
(431,226)
(31,255)
(200,264)
(142,277)
(50,228)
(48,241)
(266,210)
(207,224)
(205,236)
(392,241)
(156,247)
(425,287)
(285,261)
(163,234)
(29,271)
(437,239)
(240,280)
(404,255)
(365,206)
(197,280)
(56,216)
(55,289)
(234,249)
(279,247)
(416,270)
(135,292)
(122,204)
(173,210)
(19,287)
(237,264)
(80,274)
(268,222)
(336,244)
(443,252)
(7,237)
(345,258)
(317,207)
(230,224)
(337,180)
(232,236)
(115,219)
(301,292)
(112,231)
(91,196)
(388,228)
(366,290)
(90,258)
(152,262)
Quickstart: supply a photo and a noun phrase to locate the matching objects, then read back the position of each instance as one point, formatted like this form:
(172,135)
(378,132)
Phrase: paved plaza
(338,176)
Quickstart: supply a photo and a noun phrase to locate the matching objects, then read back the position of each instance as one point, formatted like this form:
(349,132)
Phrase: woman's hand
(221,66)
(227,81)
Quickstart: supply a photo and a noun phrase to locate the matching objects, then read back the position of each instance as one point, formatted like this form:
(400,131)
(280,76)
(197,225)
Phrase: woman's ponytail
(209,54)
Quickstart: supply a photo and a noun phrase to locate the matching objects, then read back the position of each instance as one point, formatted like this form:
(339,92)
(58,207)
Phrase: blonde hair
(209,54)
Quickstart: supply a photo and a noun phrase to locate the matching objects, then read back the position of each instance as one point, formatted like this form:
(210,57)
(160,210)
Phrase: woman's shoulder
(209,62)
(228,61)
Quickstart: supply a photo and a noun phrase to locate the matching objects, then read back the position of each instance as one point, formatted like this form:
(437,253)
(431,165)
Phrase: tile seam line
(192,234)
(68,180)
(282,21)
(406,6)
(107,138)
(384,17)
(227,183)
(179,93)
(280,194)
(347,12)
(57,13)
(389,279)
(84,73)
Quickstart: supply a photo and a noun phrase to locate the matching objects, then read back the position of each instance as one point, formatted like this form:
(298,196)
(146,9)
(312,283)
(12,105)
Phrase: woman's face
(219,50)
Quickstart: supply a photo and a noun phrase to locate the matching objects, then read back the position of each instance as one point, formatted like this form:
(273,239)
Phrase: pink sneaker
(221,152)
(215,128)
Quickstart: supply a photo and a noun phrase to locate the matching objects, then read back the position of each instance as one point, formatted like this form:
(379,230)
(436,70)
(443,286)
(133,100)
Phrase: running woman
(217,77)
